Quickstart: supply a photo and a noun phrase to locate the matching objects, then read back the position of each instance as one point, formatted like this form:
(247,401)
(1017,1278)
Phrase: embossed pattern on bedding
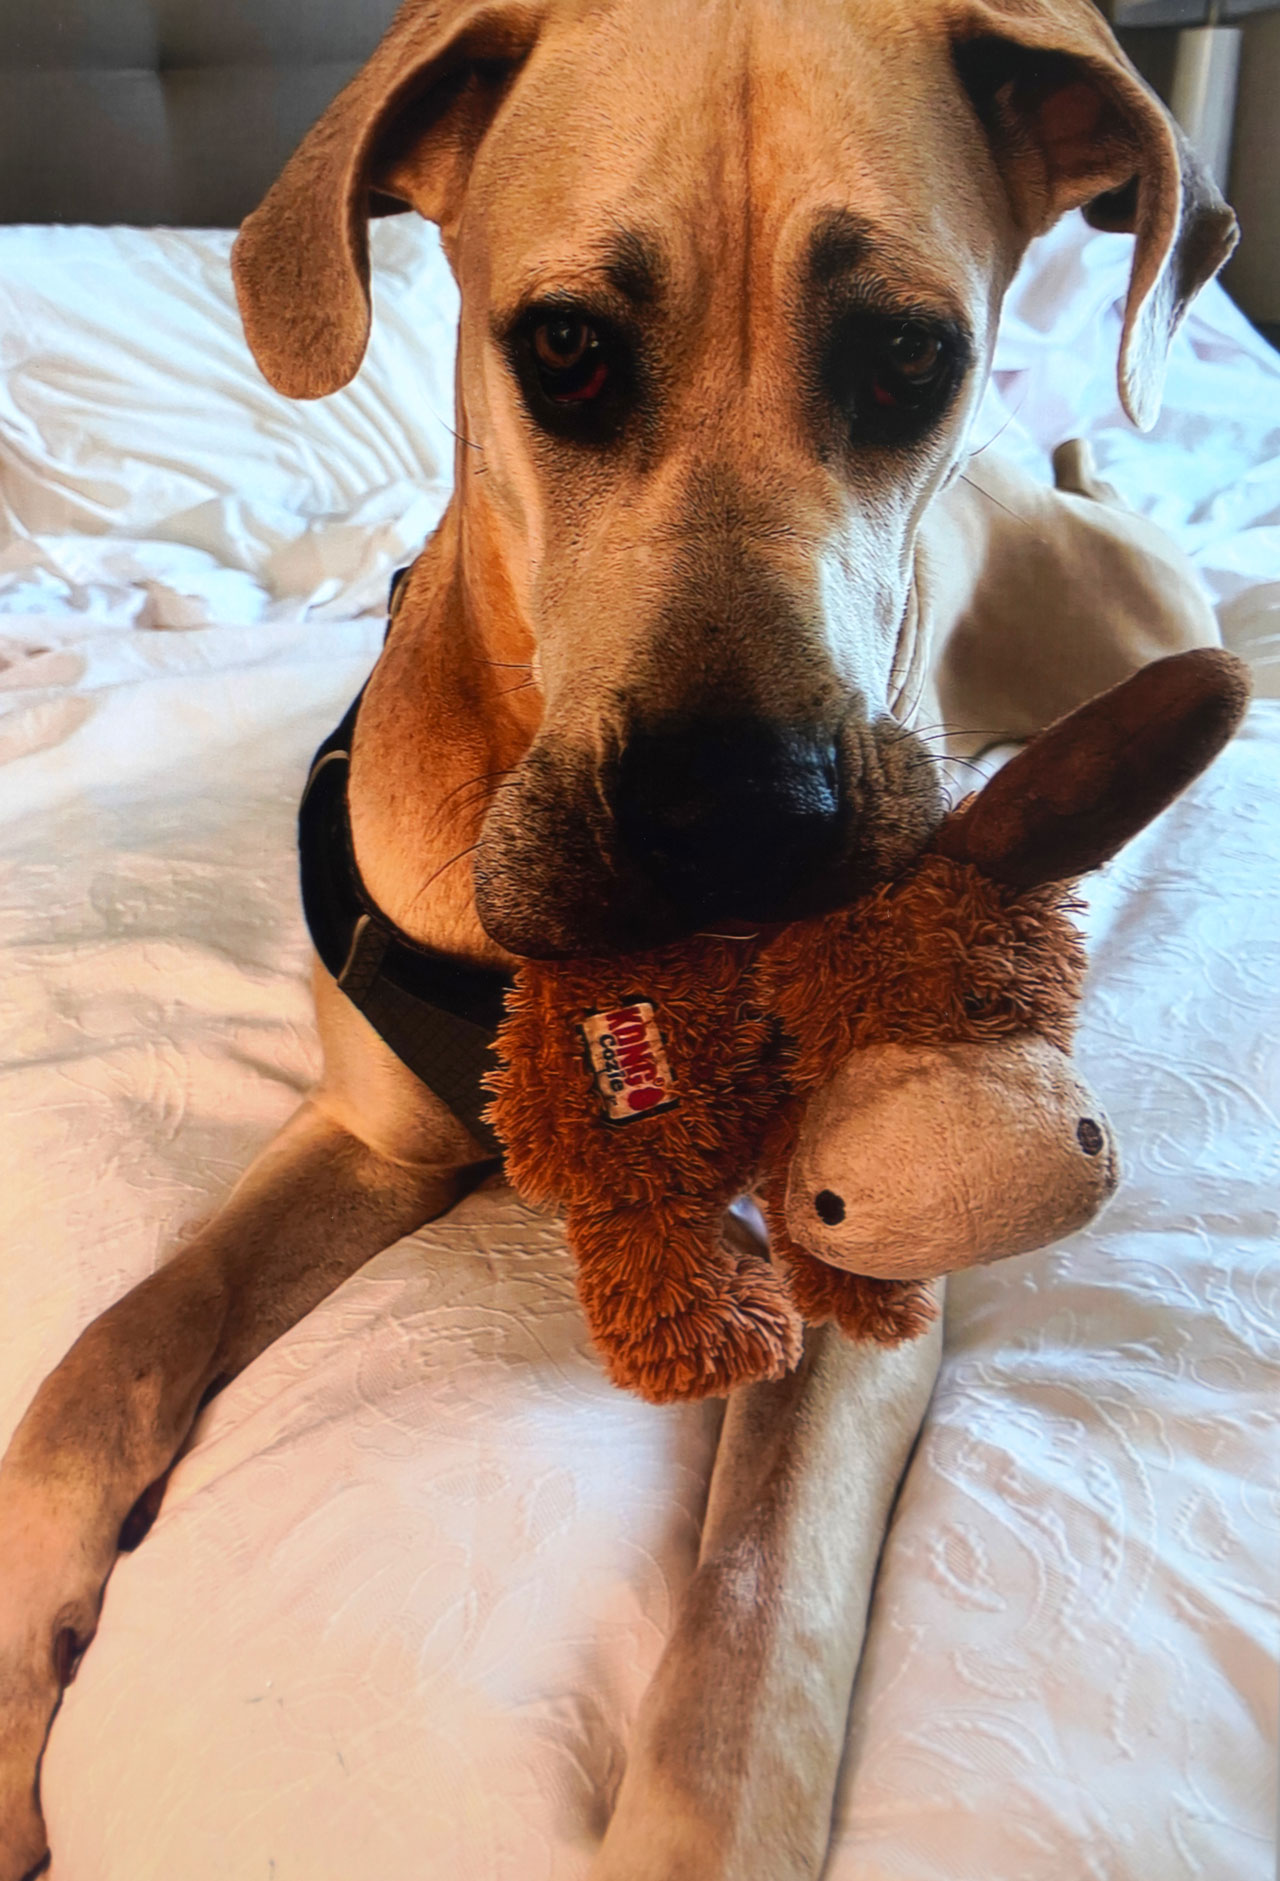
(1073,1661)
(408,1585)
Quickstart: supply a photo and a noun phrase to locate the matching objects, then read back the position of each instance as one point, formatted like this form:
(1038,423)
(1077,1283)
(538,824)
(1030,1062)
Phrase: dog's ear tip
(1206,235)
(303,369)
(303,351)
(1144,354)
(316,373)
(1141,396)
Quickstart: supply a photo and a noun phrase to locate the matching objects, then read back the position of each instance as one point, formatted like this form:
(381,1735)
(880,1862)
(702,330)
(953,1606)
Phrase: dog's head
(730,280)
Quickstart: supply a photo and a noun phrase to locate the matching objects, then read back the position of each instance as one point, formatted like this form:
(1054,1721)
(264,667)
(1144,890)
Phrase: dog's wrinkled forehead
(697,171)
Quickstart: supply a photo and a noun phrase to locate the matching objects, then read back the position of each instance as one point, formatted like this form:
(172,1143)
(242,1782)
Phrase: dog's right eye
(574,370)
(570,359)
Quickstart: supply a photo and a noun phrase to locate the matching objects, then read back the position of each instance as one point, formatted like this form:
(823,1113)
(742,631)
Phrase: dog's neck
(450,707)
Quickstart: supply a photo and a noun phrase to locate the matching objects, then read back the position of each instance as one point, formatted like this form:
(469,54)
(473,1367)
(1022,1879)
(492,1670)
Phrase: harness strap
(438,1017)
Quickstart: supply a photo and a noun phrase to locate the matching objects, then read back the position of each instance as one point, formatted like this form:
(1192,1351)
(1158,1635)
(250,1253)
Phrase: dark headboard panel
(164,111)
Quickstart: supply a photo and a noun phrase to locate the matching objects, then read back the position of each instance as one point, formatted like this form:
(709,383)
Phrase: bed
(412,1574)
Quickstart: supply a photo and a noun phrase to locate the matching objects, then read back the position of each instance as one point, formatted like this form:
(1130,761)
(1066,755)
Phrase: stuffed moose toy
(892,1081)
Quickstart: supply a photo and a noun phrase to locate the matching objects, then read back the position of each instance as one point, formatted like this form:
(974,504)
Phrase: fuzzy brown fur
(753,1029)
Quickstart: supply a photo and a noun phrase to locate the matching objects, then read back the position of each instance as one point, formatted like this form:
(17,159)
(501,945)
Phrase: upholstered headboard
(164,111)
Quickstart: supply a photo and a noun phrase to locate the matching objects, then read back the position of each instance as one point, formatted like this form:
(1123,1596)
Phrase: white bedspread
(411,1578)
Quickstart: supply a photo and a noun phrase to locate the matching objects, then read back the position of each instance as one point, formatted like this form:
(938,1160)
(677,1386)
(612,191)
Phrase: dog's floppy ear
(1071,125)
(1076,794)
(301,260)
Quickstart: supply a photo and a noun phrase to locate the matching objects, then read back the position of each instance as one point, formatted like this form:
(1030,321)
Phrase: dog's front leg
(84,1472)
(732,1767)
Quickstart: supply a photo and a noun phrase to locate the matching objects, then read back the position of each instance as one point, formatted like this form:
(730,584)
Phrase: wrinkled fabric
(149,472)
(416,1567)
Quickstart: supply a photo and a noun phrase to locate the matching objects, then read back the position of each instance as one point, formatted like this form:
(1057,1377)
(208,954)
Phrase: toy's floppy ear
(421,105)
(1077,793)
(1071,125)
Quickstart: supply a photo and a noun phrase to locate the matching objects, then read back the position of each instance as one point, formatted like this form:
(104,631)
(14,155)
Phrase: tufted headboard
(164,111)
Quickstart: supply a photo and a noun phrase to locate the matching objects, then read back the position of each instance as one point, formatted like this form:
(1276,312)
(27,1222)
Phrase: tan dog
(731,273)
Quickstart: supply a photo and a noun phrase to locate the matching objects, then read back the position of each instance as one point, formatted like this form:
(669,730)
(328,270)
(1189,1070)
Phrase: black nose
(728,816)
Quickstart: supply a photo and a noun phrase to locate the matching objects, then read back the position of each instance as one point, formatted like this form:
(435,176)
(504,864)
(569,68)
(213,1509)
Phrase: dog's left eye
(911,360)
(892,379)
(570,359)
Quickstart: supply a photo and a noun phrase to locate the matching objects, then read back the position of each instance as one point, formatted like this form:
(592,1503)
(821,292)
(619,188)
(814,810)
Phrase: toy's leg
(680,1301)
(884,1311)
(732,1767)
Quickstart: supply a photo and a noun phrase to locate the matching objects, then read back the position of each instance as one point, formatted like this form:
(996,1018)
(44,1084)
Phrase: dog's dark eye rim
(892,376)
(586,398)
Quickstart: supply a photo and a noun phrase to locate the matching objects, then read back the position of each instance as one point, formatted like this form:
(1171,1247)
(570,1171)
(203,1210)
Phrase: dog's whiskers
(943,728)
(484,778)
(483,793)
(995,438)
(995,501)
(930,739)
(469,442)
(437,873)
(931,763)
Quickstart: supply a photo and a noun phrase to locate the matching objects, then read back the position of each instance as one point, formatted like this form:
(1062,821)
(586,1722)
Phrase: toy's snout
(917,1160)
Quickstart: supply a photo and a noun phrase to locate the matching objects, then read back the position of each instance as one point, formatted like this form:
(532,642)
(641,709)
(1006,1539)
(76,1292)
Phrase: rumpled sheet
(410,1579)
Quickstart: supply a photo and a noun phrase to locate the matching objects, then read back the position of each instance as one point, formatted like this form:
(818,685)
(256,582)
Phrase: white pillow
(145,464)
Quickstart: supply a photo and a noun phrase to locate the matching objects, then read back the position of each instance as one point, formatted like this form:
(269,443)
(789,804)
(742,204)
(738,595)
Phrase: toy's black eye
(829,1207)
(570,359)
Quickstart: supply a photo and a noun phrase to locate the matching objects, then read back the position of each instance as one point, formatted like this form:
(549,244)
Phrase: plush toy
(892,1081)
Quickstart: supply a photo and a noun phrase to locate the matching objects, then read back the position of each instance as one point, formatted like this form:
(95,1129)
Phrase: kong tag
(628,1061)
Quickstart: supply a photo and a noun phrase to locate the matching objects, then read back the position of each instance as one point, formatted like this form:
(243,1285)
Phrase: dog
(730,277)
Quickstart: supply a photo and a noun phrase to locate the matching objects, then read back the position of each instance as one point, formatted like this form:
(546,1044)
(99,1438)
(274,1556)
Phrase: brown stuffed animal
(893,1081)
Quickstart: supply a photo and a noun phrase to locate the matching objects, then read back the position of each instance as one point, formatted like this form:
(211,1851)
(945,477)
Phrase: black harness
(439,1018)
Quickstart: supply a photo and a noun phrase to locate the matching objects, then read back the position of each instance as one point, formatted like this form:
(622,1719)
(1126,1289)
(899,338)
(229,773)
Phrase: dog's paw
(24,1848)
(37,1663)
(48,1615)
(27,1704)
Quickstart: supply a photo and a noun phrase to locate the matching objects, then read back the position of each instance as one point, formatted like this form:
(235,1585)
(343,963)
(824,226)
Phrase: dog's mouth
(729,828)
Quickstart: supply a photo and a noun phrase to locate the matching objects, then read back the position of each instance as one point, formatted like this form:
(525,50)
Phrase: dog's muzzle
(728,817)
(698,821)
